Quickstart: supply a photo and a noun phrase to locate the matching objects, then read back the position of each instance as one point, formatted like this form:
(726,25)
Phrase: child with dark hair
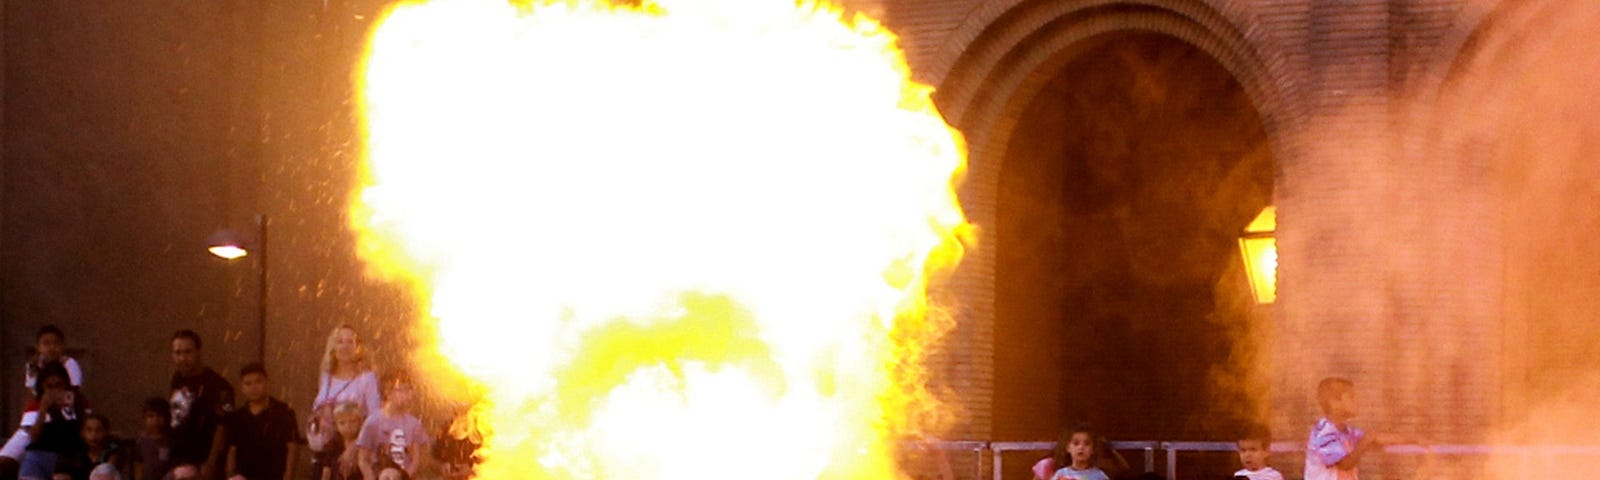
(54,431)
(261,434)
(1076,456)
(100,448)
(1336,447)
(1254,448)
(153,456)
(49,347)
(393,440)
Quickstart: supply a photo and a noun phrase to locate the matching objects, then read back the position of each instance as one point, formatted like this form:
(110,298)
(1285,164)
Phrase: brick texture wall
(1376,283)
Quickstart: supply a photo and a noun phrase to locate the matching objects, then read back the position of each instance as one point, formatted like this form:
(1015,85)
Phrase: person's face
(1345,405)
(345,345)
(56,385)
(253,387)
(1253,454)
(153,422)
(94,432)
(400,396)
(349,426)
(185,356)
(50,347)
(1080,448)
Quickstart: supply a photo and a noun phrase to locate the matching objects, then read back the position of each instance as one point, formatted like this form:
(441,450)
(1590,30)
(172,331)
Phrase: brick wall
(1373,271)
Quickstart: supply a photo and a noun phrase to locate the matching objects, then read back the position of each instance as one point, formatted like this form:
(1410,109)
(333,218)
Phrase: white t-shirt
(363,389)
(1265,473)
(74,373)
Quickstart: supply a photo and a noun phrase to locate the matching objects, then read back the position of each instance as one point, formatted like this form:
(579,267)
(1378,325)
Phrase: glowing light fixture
(1259,247)
(233,245)
(228,251)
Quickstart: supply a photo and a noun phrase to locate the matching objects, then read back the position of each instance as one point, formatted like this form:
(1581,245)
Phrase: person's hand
(61,476)
(347,463)
(237,477)
(51,399)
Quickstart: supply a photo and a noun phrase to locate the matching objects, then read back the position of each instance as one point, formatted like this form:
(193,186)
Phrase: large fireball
(674,239)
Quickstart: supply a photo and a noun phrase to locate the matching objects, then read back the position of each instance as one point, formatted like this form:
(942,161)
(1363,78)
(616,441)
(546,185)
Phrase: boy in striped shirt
(1335,446)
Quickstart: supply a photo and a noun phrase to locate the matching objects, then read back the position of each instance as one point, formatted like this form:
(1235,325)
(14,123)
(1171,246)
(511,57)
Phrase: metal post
(261,288)
(998,470)
(977,460)
(1172,462)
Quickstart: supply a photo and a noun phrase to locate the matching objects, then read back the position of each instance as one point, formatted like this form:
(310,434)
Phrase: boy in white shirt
(1254,448)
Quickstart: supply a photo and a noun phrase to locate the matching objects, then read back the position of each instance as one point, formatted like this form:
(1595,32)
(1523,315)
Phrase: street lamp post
(231,245)
(1259,248)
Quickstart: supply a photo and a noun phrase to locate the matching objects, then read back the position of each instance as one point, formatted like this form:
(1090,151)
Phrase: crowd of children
(361,426)
(1332,452)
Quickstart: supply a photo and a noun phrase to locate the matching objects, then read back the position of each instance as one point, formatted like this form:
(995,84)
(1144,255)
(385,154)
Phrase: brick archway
(1002,56)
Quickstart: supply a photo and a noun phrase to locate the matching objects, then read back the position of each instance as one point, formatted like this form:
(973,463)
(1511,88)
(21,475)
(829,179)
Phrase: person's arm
(417,460)
(135,468)
(232,469)
(364,459)
(74,372)
(374,400)
(47,404)
(1364,444)
(218,439)
(290,425)
(119,461)
(1325,447)
(288,461)
(327,473)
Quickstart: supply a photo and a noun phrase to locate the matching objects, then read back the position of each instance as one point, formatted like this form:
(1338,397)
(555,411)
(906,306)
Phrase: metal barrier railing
(998,449)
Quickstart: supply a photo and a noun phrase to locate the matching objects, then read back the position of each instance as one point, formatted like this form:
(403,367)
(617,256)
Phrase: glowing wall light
(233,245)
(1259,248)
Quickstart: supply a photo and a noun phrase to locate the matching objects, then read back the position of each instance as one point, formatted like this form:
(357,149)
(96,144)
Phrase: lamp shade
(229,244)
(1259,249)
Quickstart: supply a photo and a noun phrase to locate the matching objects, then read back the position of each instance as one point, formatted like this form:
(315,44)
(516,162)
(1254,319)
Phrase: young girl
(346,377)
(337,460)
(58,421)
(99,449)
(154,452)
(1075,457)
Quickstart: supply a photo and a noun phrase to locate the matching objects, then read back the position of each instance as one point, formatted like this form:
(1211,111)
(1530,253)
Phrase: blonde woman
(346,377)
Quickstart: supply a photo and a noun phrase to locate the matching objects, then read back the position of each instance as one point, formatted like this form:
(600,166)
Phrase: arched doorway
(1118,295)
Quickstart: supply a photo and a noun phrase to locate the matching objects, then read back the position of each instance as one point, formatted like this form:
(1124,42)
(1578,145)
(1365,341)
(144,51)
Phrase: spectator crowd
(361,424)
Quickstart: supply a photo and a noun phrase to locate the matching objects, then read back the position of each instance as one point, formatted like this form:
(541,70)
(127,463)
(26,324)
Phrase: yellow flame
(677,239)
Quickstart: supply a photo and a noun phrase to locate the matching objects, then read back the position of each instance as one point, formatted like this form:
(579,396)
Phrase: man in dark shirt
(200,398)
(261,434)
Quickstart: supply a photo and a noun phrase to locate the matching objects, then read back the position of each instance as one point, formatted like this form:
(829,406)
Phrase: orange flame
(679,239)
